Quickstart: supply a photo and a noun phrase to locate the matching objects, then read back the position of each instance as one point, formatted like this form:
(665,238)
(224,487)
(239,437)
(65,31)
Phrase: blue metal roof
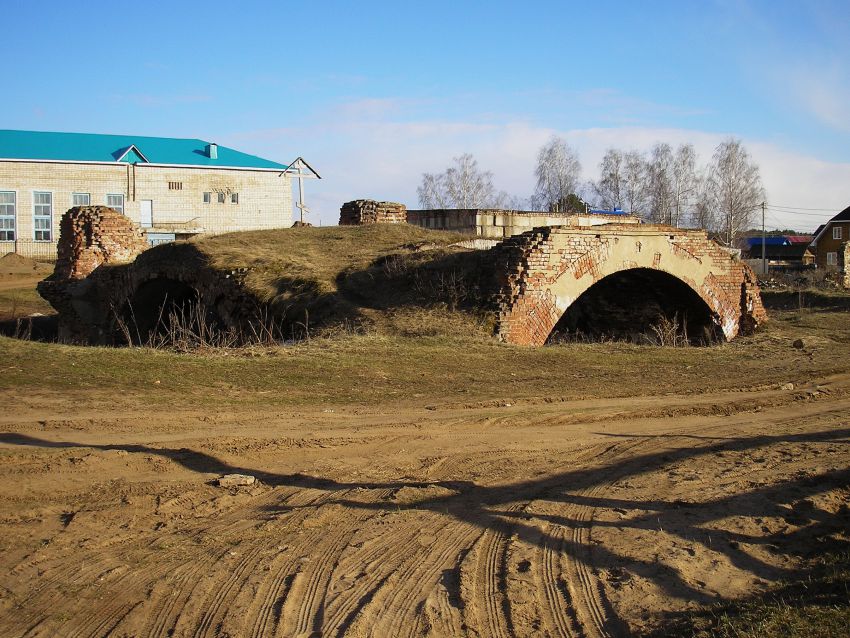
(88,147)
(773,240)
(605,211)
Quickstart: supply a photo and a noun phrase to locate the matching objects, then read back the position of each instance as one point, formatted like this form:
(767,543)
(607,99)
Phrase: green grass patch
(443,368)
(22,302)
(816,606)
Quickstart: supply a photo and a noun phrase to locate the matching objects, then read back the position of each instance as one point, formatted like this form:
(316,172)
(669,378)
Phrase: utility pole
(763,241)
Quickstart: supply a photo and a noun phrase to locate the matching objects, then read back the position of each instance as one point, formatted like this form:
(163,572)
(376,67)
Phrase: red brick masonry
(541,272)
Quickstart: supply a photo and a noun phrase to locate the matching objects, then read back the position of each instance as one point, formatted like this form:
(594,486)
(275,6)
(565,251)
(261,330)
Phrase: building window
(831,259)
(115,202)
(207,198)
(80,199)
(234,198)
(221,198)
(836,232)
(42,215)
(175,186)
(7,216)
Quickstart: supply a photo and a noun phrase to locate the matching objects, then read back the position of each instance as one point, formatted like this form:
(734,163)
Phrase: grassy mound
(393,279)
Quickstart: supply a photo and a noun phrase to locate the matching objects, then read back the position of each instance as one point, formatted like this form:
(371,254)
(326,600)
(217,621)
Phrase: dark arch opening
(157,307)
(639,305)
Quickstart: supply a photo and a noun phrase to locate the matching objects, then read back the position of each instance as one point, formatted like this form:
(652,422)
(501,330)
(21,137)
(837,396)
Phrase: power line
(802,208)
(793,212)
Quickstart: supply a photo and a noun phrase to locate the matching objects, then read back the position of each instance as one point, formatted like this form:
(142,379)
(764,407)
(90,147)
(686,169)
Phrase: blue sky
(375,93)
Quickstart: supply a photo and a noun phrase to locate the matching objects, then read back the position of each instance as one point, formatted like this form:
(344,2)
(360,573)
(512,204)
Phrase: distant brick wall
(542,272)
(498,224)
(367,211)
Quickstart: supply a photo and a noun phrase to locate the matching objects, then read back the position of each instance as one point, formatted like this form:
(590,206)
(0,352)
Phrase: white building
(172,188)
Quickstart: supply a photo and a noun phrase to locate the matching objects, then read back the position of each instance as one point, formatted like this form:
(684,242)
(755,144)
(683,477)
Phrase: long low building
(171,187)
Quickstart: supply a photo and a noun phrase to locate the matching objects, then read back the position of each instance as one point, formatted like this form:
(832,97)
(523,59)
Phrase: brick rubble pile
(90,236)
(368,211)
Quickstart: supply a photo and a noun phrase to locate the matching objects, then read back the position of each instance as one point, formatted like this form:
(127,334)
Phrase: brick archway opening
(160,305)
(639,305)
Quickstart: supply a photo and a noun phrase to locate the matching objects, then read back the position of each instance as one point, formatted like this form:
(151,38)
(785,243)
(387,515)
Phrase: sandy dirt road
(585,518)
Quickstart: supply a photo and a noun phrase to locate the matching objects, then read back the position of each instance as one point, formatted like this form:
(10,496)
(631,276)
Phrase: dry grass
(367,368)
(315,256)
(366,279)
(22,302)
(816,606)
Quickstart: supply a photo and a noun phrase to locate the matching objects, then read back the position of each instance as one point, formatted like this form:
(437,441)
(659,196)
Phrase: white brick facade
(264,197)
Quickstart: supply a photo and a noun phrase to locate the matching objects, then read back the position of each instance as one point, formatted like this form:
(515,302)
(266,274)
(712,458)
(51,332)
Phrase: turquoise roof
(88,147)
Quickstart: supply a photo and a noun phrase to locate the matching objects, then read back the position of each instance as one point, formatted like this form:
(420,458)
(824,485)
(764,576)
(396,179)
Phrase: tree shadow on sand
(480,505)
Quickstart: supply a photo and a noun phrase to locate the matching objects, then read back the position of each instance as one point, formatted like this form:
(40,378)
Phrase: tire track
(588,613)
(269,612)
(558,607)
(491,574)
(307,595)
(346,607)
(419,577)
(410,577)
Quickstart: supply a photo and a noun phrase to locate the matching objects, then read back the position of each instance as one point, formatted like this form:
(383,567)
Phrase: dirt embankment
(17,272)
(500,520)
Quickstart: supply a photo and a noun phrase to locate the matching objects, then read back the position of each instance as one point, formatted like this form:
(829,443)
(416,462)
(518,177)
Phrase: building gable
(131,155)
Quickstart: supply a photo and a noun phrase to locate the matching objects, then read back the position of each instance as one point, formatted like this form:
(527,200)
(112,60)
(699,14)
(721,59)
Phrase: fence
(41,250)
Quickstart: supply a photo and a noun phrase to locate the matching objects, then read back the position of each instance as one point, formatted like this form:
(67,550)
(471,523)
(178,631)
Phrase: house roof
(89,147)
(605,211)
(778,251)
(799,239)
(773,240)
(843,216)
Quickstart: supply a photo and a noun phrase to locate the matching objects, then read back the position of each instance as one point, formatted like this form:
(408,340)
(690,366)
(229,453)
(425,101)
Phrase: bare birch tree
(611,185)
(558,172)
(661,189)
(432,191)
(735,188)
(634,188)
(463,185)
(703,215)
(660,184)
(684,181)
(505,201)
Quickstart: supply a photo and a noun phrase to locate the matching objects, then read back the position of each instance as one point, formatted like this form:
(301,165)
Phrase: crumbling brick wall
(90,236)
(540,273)
(367,211)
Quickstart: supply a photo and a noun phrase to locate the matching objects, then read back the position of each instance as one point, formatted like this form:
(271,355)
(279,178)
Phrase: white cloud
(361,155)
(824,92)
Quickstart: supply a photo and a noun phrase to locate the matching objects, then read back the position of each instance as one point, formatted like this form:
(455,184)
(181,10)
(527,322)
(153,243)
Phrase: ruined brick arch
(544,271)
(170,276)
